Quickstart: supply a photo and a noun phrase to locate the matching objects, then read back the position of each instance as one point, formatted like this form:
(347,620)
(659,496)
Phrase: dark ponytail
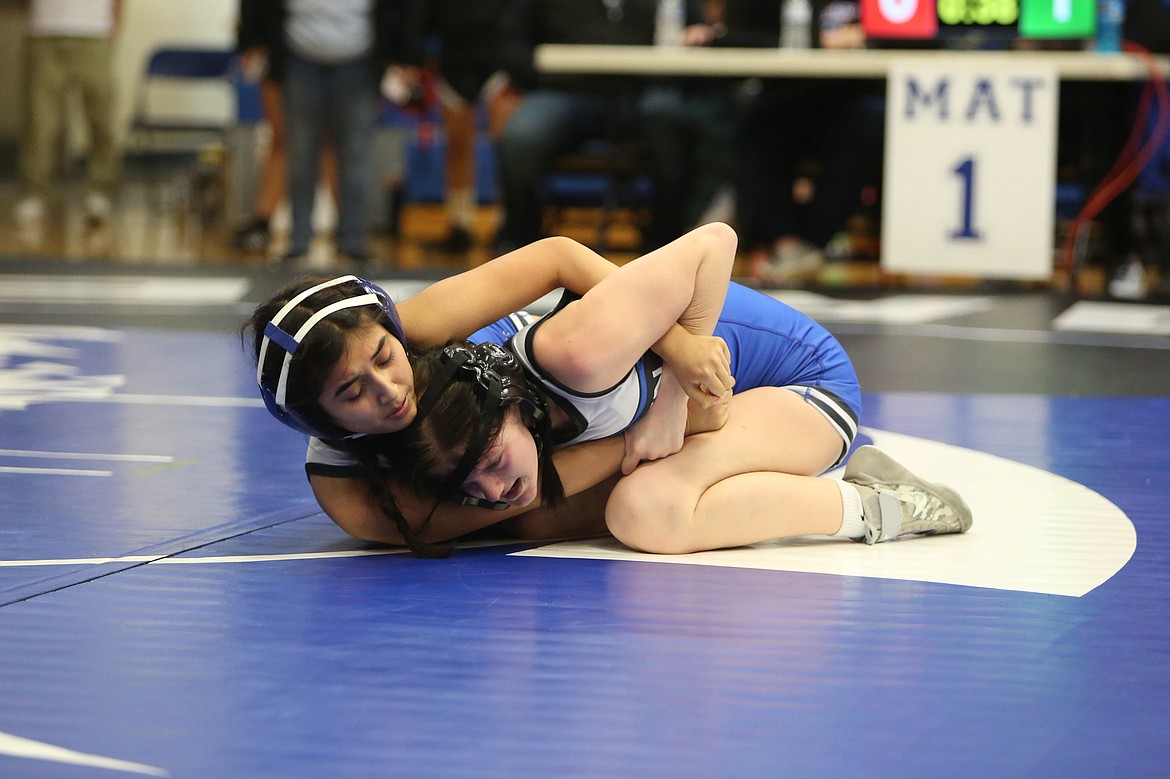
(374,472)
(461,410)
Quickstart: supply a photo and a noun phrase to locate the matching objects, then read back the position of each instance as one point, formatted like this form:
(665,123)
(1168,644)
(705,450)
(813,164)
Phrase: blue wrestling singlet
(774,345)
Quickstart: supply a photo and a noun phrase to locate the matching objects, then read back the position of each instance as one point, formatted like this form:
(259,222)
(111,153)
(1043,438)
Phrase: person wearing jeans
(330,57)
(333,99)
(69,44)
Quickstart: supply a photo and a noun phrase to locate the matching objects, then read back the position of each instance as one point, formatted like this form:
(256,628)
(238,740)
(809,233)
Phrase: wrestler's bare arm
(593,342)
(459,305)
(350,503)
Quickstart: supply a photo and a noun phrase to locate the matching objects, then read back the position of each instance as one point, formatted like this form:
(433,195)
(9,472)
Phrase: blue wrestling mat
(173,603)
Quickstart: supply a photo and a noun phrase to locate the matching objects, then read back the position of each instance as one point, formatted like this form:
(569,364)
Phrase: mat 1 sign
(970,170)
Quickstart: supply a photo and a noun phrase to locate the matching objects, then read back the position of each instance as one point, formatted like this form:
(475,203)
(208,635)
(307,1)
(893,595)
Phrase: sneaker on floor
(793,262)
(97,209)
(291,260)
(29,209)
(1129,283)
(456,242)
(898,503)
(253,237)
(354,260)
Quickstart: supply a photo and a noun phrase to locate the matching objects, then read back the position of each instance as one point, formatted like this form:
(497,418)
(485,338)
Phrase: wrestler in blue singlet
(771,345)
(774,345)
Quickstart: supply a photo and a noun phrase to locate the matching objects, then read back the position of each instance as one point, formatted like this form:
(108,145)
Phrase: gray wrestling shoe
(898,503)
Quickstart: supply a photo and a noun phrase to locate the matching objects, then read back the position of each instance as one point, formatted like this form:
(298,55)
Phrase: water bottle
(669,23)
(1110,20)
(796,24)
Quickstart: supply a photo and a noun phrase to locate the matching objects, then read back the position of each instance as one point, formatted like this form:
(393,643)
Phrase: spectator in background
(69,44)
(470,69)
(256,235)
(332,55)
(1141,265)
(788,210)
(559,112)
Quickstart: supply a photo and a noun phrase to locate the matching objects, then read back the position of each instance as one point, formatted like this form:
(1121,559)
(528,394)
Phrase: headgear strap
(276,398)
(496,377)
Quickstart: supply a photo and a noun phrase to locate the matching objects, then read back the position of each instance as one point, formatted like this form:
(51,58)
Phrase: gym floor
(173,603)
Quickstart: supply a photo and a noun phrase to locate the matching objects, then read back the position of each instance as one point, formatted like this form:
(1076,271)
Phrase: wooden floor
(173,223)
(164,224)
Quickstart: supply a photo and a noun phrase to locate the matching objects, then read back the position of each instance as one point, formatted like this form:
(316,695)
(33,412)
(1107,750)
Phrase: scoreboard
(998,19)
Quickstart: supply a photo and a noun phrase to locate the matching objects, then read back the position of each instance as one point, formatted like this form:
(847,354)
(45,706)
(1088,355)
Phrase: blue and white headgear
(274,385)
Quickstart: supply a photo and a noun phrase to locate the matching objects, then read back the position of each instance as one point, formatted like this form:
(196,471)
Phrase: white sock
(461,207)
(852,512)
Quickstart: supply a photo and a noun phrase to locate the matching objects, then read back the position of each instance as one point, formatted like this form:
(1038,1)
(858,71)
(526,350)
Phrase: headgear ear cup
(273,382)
(498,380)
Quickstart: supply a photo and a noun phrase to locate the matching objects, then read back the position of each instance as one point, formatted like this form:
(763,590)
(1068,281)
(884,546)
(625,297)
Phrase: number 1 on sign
(965,170)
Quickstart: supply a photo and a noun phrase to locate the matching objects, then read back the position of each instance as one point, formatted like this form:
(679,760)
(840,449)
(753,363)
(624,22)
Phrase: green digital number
(951,11)
(980,12)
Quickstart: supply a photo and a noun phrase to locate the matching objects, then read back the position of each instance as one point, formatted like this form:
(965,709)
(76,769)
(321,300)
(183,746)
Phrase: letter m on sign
(899,18)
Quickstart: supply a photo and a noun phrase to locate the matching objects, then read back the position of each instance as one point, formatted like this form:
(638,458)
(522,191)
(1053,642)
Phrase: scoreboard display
(1058,19)
(929,20)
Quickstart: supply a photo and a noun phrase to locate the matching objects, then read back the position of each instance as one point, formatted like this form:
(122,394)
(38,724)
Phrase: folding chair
(184,107)
(187,94)
(607,176)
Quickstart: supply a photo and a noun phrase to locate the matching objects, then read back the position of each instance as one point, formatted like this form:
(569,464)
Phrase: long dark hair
(301,332)
(310,366)
(371,453)
(460,411)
